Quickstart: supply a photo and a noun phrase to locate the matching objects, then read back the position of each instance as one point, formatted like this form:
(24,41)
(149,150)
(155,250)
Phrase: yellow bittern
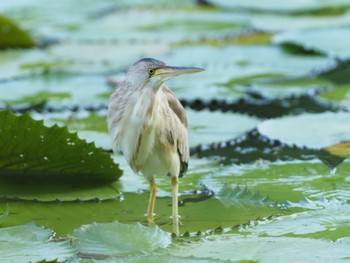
(149,126)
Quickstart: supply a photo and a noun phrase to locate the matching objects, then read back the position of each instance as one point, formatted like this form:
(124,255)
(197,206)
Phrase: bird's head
(149,72)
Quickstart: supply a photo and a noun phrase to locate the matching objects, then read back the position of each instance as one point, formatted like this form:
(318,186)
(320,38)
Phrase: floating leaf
(334,218)
(168,259)
(11,36)
(318,130)
(32,152)
(208,126)
(319,40)
(234,247)
(29,243)
(117,239)
(294,7)
(340,149)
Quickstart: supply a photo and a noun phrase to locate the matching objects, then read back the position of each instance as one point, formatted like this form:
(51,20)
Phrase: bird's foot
(176,225)
(151,219)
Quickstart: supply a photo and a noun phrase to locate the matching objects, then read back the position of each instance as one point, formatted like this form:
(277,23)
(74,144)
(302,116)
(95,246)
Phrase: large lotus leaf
(284,182)
(57,90)
(168,26)
(319,40)
(32,151)
(58,192)
(208,127)
(334,219)
(11,36)
(282,88)
(279,22)
(29,243)
(42,14)
(296,6)
(166,258)
(13,60)
(234,247)
(310,130)
(117,239)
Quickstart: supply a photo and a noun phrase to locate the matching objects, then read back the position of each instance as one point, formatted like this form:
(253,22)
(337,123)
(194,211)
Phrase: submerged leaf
(31,151)
(29,243)
(117,239)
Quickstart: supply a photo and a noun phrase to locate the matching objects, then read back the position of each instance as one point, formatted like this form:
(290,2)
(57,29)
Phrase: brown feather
(182,146)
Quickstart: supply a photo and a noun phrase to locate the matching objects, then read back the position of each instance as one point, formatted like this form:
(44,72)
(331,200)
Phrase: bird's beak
(168,72)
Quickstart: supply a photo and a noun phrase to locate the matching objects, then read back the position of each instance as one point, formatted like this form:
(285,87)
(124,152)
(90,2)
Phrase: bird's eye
(151,71)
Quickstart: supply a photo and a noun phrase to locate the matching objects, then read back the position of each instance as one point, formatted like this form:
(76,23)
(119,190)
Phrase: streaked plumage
(149,126)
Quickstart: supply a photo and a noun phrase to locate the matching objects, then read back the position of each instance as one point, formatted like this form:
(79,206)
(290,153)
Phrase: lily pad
(298,6)
(29,243)
(340,149)
(320,40)
(262,249)
(281,182)
(315,130)
(117,239)
(279,22)
(334,219)
(56,90)
(208,127)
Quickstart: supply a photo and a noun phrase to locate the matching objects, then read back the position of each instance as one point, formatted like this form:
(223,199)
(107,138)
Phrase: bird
(148,125)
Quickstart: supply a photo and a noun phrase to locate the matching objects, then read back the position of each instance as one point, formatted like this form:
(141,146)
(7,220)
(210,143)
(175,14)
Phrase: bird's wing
(181,130)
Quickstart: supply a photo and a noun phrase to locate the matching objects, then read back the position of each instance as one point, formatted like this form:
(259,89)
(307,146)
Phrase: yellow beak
(169,72)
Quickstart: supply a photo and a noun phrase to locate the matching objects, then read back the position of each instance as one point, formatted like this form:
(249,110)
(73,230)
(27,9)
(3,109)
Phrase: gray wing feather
(179,133)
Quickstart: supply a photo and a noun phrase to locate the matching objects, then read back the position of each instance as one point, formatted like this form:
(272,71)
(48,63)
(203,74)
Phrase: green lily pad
(57,90)
(117,239)
(340,149)
(208,127)
(334,219)
(29,243)
(283,182)
(298,6)
(279,22)
(168,259)
(257,248)
(318,130)
(319,40)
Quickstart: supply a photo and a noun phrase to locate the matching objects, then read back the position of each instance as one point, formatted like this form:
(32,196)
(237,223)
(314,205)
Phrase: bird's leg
(175,190)
(152,201)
